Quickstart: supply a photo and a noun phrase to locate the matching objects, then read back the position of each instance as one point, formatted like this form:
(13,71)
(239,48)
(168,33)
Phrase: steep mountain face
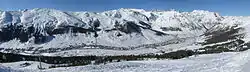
(50,30)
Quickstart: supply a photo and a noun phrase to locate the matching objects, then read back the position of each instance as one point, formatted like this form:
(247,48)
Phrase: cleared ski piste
(222,62)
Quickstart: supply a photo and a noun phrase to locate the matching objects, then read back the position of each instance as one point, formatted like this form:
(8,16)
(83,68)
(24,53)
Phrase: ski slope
(222,62)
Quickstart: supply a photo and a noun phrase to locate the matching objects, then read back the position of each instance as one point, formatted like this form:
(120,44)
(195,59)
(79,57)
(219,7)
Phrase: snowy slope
(49,30)
(7,69)
(222,62)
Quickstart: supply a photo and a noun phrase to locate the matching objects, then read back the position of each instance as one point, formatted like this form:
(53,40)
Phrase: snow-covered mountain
(134,31)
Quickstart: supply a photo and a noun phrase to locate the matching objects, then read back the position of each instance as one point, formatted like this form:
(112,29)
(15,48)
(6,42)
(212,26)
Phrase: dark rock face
(14,31)
(128,27)
(23,34)
(153,17)
(70,29)
(226,38)
(224,34)
(171,29)
(145,25)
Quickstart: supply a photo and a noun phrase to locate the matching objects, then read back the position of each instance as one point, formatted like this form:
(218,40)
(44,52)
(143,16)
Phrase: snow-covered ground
(222,62)
(115,30)
(7,69)
(192,25)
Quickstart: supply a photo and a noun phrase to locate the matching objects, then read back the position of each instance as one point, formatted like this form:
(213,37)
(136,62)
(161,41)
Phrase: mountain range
(119,32)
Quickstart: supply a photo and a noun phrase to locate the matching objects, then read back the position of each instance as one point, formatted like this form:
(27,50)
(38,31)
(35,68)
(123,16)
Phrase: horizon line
(177,10)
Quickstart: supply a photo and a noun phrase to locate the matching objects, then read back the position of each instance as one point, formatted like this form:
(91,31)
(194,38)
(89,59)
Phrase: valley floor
(222,62)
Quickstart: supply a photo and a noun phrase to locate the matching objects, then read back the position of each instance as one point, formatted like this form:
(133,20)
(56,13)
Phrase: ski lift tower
(96,35)
(39,59)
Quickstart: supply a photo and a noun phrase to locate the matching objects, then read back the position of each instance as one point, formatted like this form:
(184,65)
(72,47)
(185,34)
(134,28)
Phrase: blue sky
(224,7)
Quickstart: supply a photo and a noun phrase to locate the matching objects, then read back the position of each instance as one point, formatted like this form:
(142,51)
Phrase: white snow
(191,23)
(222,62)
(101,52)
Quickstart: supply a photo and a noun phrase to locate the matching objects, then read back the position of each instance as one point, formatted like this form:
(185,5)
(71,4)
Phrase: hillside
(53,32)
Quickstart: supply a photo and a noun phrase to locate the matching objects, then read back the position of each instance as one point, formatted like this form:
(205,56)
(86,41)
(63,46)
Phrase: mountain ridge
(44,28)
